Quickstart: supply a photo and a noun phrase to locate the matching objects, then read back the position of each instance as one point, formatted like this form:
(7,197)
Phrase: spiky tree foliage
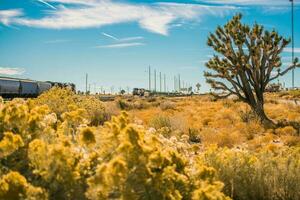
(247,60)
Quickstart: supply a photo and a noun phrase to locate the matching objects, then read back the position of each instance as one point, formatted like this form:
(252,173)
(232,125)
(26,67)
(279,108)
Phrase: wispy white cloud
(122,39)
(251,2)
(11,71)
(56,41)
(47,4)
(121,45)
(131,38)
(110,36)
(156,17)
(289,50)
(7,16)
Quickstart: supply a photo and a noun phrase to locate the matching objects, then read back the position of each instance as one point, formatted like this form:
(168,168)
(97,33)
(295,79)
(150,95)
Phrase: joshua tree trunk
(260,112)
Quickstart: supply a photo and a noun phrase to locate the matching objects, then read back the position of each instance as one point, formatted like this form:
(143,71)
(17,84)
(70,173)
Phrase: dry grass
(225,123)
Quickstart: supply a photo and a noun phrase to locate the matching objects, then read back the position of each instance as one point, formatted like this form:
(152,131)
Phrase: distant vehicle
(14,87)
(139,92)
(274,87)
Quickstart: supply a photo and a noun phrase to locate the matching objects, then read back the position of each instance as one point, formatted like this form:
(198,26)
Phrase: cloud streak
(56,41)
(121,45)
(11,71)
(47,4)
(155,17)
(110,36)
(250,2)
(122,39)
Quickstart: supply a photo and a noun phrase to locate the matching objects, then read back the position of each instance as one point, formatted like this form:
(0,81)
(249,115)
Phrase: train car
(29,88)
(43,86)
(14,87)
(9,87)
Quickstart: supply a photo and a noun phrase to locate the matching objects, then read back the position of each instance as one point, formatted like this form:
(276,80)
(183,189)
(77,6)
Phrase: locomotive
(15,87)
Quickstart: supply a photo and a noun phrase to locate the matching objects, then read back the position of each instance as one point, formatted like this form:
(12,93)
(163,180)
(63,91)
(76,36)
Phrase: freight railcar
(13,87)
(9,87)
(28,88)
(44,86)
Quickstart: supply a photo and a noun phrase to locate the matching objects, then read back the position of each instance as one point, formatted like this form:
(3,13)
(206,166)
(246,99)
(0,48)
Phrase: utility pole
(160,83)
(165,86)
(95,88)
(175,83)
(86,83)
(149,78)
(179,87)
(112,88)
(293,44)
(155,80)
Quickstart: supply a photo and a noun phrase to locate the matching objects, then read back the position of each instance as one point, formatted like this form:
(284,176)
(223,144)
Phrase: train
(26,88)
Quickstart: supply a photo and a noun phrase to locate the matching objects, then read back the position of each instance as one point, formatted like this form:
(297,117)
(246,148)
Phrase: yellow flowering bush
(59,147)
(46,157)
(10,143)
(15,186)
(136,165)
(61,100)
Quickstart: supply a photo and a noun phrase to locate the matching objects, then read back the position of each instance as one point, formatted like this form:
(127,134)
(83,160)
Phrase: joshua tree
(198,87)
(247,60)
(122,92)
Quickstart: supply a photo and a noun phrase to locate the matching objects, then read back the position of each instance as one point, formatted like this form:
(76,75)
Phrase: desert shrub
(250,129)
(45,157)
(152,99)
(61,100)
(179,123)
(194,135)
(248,116)
(56,165)
(223,137)
(140,167)
(288,130)
(227,103)
(140,104)
(57,99)
(95,109)
(111,109)
(14,186)
(160,121)
(167,105)
(294,93)
(10,143)
(132,104)
(124,105)
(272,173)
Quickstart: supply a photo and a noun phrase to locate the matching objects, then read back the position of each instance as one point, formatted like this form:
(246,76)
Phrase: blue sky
(115,41)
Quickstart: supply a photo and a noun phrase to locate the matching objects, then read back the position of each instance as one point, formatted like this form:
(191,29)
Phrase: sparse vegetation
(200,150)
